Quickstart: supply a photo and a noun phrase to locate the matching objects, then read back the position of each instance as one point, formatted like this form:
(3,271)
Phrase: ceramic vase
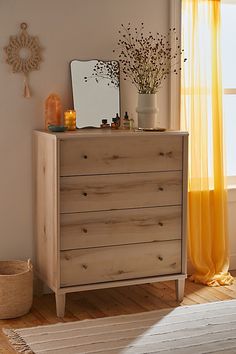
(147,111)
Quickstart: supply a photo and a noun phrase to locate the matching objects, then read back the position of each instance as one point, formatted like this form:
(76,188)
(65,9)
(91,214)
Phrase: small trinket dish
(57,128)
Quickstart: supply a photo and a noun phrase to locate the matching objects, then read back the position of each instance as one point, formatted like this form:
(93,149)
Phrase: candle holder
(70,119)
(53,111)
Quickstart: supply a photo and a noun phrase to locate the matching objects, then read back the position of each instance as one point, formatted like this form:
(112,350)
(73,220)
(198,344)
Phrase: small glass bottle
(53,110)
(131,123)
(104,124)
(126,122)
(115,123)
(118,119)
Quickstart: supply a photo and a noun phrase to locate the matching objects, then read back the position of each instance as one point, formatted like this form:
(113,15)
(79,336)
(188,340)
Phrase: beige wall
(67,29)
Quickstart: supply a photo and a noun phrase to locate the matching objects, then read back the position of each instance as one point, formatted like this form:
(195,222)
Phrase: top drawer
(120,154)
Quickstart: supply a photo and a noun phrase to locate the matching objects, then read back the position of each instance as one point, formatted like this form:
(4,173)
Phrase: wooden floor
(112,302)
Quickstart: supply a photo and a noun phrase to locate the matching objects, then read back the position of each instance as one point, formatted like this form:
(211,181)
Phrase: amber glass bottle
(53,110)
(126,122)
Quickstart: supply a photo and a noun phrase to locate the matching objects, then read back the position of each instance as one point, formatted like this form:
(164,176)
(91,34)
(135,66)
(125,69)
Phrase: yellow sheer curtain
(201,115)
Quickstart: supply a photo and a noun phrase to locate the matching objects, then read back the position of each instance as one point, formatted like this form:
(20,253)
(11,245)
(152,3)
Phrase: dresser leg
(60,304)
(179,288)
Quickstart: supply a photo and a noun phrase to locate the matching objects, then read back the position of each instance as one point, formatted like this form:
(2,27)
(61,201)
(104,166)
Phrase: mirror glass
(96,91)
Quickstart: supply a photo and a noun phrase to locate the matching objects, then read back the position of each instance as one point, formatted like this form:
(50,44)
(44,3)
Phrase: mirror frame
(73,98)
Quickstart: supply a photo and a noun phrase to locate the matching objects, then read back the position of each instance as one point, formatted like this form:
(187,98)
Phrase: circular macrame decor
(23,54)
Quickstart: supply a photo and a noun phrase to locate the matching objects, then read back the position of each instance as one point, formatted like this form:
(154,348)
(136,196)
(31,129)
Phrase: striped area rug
(205,328)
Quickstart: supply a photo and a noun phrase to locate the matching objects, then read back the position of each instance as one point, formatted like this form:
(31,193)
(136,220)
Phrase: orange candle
(70,119)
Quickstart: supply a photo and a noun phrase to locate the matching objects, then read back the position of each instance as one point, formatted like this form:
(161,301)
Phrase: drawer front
(117,227)
(120,154)
(96,265)
(106,192)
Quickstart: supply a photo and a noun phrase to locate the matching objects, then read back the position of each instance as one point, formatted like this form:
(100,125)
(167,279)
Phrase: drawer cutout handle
(85,194)
(161,189)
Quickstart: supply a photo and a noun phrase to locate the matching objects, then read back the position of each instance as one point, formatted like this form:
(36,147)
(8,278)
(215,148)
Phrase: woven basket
(16,288)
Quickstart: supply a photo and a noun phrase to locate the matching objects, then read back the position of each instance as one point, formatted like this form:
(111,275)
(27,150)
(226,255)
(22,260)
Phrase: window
(228,16)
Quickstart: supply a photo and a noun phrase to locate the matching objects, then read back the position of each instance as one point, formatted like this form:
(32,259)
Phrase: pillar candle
(70,119)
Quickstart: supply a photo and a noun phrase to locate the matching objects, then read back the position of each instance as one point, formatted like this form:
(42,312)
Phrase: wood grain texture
(117,301)
(46,208)
(204,328)
(103,264)
(120,154)
(116,198)
(60,304)
(119,191)
(184,204)
(121,283)
(107,228)
(106,133)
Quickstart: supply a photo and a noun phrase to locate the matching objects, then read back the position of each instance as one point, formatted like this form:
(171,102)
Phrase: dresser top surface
(98,132)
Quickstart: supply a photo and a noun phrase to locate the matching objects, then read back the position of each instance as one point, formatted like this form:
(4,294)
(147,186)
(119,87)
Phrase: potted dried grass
(146,61)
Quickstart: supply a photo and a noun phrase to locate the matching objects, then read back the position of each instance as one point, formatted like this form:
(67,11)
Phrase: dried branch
(147,60)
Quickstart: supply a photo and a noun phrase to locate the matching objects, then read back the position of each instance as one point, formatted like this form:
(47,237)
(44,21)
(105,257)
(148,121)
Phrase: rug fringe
(17,342)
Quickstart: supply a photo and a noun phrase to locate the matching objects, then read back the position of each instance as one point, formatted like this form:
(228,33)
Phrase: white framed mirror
(96,91)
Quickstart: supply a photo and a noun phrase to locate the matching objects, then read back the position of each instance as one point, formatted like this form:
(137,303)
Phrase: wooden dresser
(110,209)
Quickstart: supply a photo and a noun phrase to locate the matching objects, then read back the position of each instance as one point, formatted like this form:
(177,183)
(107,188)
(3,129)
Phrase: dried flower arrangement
(106,70)
(147,60)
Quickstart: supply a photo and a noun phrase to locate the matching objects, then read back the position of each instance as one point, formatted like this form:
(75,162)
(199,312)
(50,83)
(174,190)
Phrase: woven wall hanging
(24,55)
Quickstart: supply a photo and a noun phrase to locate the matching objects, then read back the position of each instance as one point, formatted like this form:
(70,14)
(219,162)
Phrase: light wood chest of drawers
(110,209)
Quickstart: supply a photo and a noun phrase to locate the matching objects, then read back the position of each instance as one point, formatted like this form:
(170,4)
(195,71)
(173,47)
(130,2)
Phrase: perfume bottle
(115,123)
(131,123)
(126,122)
(104,124)
(118,119)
